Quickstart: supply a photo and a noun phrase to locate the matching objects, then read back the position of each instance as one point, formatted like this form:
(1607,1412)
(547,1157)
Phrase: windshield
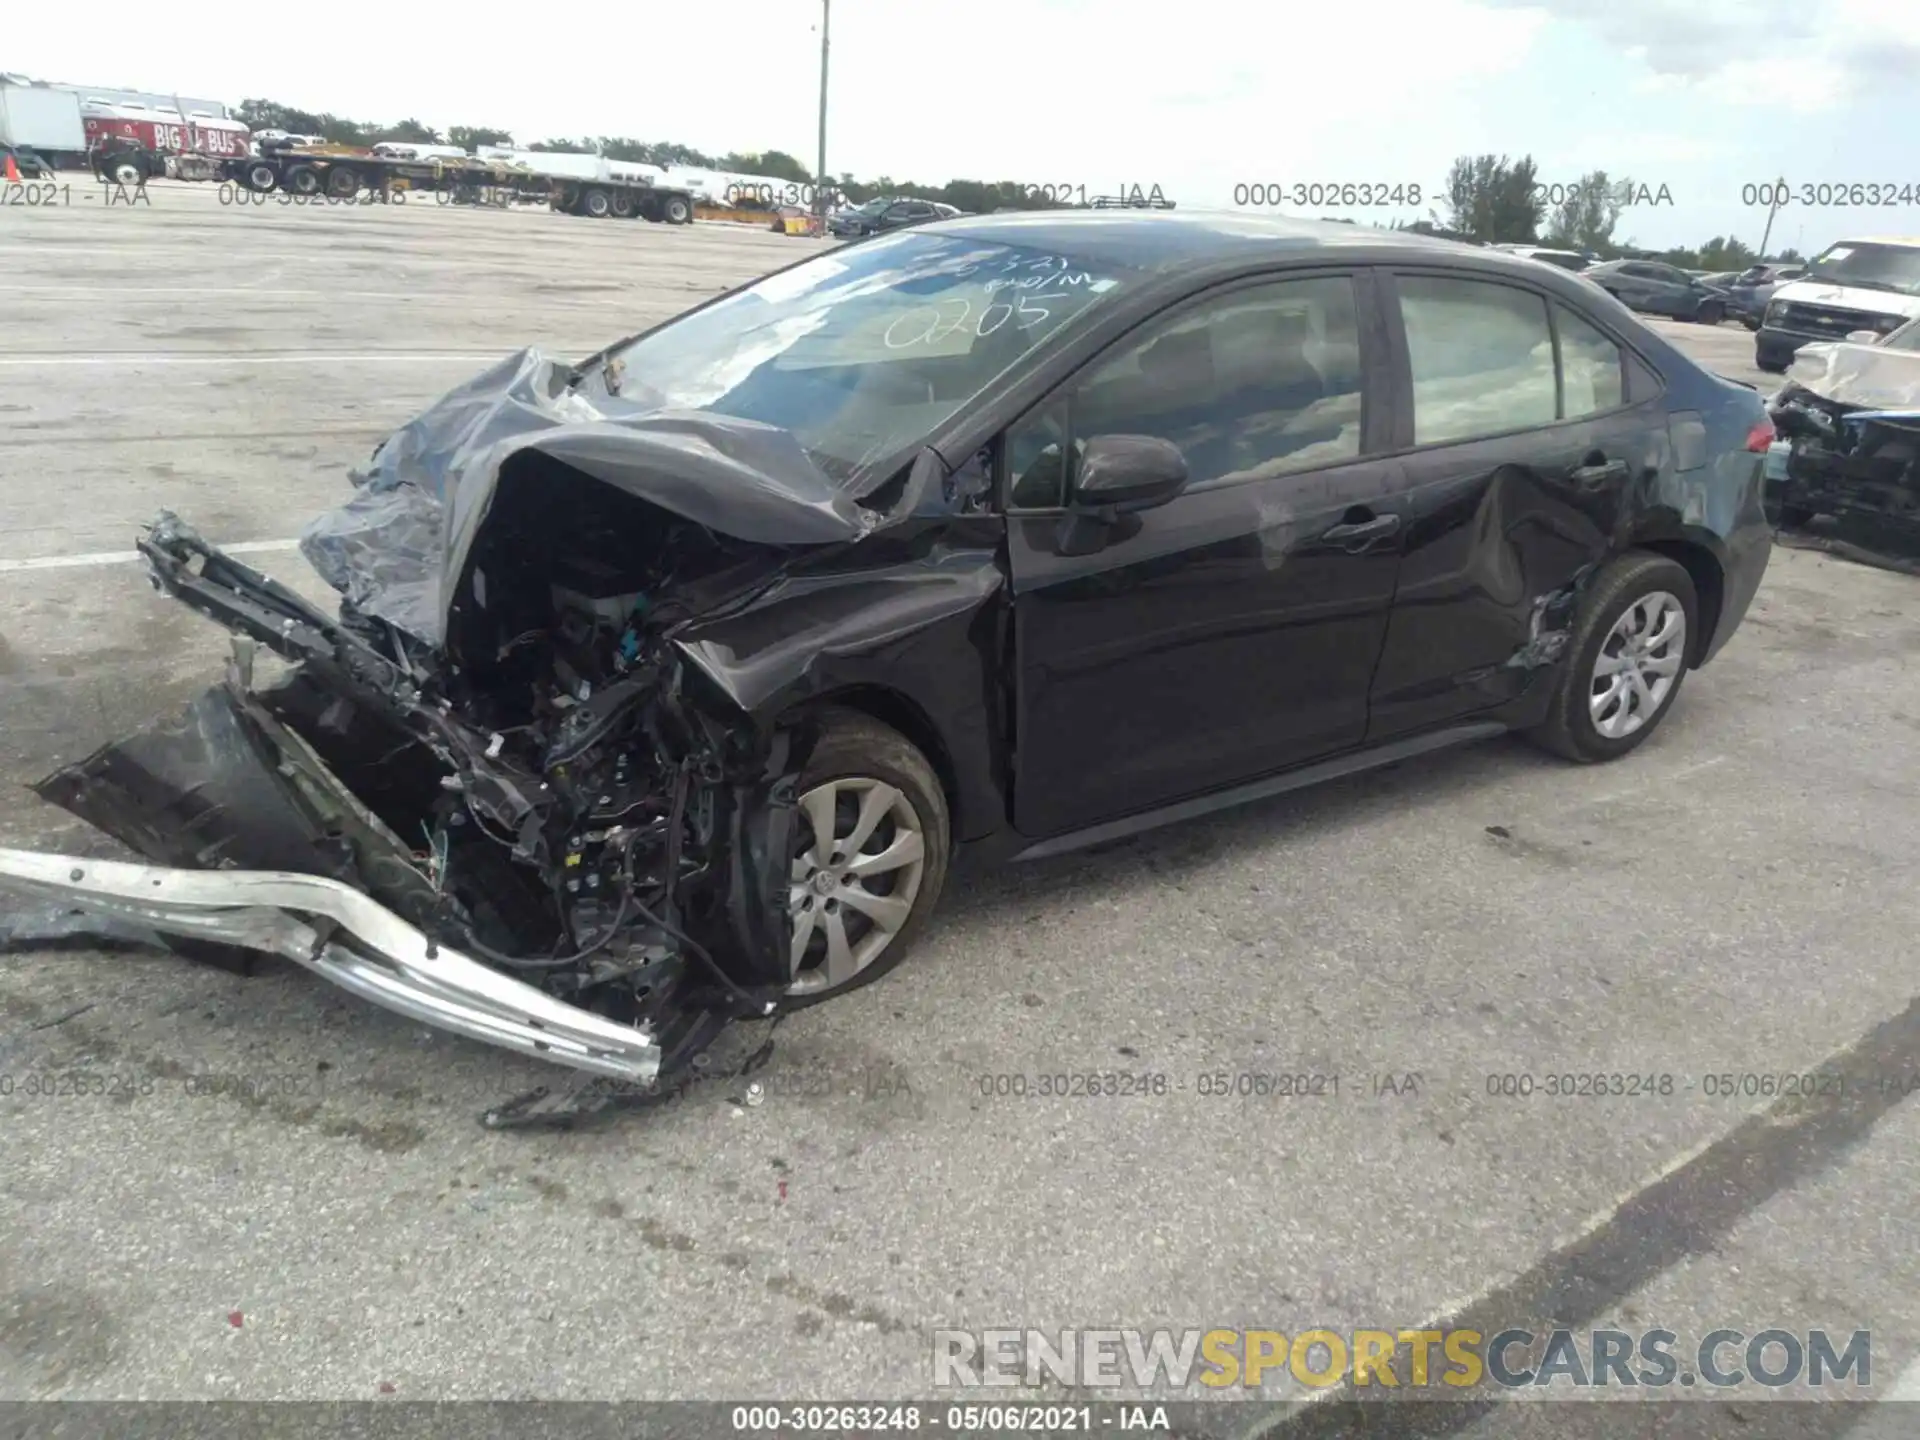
(1875,267)
(1907,338)
(864,351)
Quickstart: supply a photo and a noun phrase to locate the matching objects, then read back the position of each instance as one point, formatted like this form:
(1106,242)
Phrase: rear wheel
(343,183)
(262,177)
(126,171)
(623,204)
(679,210)
(870,856)
(1626,662)
(304,180)
(1712,313)
(596,204)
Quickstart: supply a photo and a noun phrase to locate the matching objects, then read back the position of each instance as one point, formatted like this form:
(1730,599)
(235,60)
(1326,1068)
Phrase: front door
(1233,631)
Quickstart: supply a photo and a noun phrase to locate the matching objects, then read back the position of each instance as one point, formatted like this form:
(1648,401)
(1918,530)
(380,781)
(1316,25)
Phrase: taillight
(1760,436)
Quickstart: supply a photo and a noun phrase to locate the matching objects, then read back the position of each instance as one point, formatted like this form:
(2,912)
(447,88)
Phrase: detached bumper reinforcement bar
(373,953)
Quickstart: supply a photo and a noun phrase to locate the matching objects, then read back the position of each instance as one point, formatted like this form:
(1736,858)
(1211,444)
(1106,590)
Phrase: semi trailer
(607,189)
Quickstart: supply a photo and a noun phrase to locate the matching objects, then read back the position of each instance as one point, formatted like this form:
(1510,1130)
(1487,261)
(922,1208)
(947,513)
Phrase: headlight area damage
(509,791)
(1852,415)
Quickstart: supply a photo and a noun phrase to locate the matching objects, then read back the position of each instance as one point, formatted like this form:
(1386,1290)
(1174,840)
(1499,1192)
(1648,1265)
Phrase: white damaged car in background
(1849,421)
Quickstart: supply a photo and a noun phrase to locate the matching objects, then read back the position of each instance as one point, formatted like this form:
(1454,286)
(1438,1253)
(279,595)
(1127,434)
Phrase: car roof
(1910,241)
(1166,240)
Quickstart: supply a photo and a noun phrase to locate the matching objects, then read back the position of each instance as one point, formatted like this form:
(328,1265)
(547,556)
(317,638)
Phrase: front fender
(922,624)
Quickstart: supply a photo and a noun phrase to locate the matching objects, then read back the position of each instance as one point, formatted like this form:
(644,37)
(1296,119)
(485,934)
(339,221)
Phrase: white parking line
(123,557)
(310,357)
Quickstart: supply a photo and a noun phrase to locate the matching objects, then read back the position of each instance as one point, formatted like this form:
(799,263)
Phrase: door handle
(1358,534)
(1600,472)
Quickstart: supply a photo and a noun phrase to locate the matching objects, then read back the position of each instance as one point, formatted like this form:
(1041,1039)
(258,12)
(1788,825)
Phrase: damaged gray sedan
(665,687)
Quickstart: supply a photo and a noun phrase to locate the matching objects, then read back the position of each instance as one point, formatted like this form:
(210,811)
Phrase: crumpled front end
(1851,416)
(494,795)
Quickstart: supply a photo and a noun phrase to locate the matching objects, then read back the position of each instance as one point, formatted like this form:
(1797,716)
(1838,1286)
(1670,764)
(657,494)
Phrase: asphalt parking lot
(327,1219)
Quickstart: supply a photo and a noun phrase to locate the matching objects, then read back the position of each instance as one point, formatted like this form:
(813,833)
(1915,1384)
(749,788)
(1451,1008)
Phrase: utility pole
(820,169)
(1772,210)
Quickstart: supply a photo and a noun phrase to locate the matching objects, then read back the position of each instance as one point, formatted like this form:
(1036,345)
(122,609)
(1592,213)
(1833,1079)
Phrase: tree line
(1495,200)
(1491,199)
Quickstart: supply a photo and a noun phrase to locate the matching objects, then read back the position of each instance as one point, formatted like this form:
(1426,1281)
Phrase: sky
(1701,97)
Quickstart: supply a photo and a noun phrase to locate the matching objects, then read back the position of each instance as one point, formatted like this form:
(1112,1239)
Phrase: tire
(343,182)
(595,205)
(262,178)
(1795,517)
(1569,729)
(1768,364)
(856,754)
(1712,313)
(623,204)
(304,180)
(126,172)
(650,208)
(678,210)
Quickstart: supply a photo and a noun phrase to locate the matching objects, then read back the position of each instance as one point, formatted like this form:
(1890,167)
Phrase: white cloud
(1772,54)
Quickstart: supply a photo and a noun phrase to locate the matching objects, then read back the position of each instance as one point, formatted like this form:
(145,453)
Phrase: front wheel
(1712,313)
(870,856)
(678,210)
(1626,661)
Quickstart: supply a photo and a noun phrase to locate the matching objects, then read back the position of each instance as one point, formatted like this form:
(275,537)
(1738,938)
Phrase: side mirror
(1863,337)
(1117,477)
(1125,473)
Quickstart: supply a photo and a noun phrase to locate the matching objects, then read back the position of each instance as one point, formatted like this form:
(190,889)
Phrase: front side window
(1253,383)
(1481,357)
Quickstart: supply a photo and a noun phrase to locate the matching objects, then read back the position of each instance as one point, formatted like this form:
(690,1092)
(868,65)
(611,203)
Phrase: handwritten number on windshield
(934,323)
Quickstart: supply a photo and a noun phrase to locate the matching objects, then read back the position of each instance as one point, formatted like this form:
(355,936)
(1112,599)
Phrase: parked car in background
(876,216)
(1750,290)
(1656,289)
(1566,259)
(1867,284)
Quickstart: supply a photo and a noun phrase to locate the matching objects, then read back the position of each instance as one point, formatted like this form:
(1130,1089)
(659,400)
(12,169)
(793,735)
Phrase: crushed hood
(1868,376)
(396,549)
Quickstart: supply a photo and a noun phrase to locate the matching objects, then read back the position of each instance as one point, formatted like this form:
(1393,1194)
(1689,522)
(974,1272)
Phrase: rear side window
(1591,367)
(1481,356)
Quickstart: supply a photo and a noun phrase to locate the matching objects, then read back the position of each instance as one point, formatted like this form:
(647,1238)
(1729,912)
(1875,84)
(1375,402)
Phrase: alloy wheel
(1638,665)
(854,879)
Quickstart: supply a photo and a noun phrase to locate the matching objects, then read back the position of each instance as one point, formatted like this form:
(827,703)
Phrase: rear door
(1233,631)
(1529,427)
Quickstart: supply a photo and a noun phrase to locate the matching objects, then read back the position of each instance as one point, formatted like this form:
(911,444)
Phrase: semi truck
(42,121)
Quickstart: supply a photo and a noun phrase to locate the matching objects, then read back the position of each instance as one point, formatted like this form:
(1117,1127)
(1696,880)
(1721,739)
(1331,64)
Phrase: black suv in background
(889,214)
(1656,289)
